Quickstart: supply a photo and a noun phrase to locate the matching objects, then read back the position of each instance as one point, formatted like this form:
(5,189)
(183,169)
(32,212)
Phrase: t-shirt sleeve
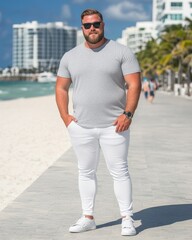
(63,70)
(129,62)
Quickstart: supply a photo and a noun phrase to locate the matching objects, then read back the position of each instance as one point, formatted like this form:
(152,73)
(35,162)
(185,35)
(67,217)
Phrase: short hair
(91,12)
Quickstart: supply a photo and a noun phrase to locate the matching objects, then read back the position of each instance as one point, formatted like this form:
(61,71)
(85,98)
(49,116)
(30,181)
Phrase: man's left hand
(122,123)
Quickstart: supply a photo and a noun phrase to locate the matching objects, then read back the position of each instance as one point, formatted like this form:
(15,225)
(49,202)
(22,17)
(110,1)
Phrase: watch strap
(128,114)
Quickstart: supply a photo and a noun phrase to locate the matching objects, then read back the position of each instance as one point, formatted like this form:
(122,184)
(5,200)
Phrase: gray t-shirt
(99,93)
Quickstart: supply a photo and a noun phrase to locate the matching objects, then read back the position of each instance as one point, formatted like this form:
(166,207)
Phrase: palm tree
(170,53)
(148,58)
(188,62)
(175,45)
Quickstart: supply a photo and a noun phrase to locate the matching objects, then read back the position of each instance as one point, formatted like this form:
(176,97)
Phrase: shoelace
(82,221)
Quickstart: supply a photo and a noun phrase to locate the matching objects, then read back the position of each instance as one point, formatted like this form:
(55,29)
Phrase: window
(176,16)
(190,4)
(176,4)
(132,36)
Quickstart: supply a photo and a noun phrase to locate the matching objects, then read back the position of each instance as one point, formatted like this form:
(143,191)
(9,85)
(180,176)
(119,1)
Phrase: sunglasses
(94,24)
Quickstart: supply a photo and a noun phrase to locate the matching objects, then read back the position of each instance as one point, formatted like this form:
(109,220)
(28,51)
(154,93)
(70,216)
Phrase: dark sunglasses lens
(96,24)
(87,25)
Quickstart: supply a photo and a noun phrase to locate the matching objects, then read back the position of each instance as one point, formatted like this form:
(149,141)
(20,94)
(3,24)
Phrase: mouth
(93,33)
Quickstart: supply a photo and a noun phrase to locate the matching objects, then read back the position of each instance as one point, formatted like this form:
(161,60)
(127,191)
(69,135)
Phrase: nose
(92,27)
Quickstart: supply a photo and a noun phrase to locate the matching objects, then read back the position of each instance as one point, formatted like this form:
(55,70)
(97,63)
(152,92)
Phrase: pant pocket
(70,124)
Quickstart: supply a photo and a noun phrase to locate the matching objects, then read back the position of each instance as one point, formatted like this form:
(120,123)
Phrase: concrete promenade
(160,163)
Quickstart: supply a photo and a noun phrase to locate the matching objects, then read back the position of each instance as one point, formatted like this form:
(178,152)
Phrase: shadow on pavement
(158,216)
(109,224)
(163,215)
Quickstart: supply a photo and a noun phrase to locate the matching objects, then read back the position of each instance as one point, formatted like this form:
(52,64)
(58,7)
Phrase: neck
(96,45)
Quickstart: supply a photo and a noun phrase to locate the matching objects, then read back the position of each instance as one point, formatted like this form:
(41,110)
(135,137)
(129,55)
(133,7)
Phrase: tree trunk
(164,82)
(188,79)
(180,71)
(172,80)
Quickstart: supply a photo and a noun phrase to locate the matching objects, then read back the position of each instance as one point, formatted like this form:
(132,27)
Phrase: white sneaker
(127,227)
(82,225)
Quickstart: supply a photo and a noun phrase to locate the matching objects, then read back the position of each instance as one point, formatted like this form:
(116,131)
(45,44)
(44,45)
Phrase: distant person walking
(146,88)
(99,69)
(152,88)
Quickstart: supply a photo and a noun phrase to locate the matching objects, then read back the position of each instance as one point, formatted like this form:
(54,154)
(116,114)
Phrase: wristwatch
(129,115)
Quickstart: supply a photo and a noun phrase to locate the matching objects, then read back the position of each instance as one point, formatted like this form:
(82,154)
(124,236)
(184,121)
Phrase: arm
(62,99)
(133,93)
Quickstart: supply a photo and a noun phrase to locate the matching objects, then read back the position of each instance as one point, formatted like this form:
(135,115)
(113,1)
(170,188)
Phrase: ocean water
(24,89)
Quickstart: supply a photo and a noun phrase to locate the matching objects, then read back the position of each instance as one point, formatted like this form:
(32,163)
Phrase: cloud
(136,1)
(66,12)
(82,1)
(126,10)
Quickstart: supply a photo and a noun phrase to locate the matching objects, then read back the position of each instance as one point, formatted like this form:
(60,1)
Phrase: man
(99,70)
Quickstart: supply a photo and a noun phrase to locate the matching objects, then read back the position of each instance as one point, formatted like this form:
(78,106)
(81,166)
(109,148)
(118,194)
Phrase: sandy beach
(32,137)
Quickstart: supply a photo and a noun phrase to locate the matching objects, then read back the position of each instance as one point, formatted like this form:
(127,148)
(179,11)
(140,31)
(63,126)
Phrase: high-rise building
(80,37)
(164,13)
(41,46)
(157,10)
(171,12)
(136,37)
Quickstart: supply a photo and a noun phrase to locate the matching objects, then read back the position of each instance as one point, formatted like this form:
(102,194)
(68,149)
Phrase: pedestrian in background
(152,88)
(145,88)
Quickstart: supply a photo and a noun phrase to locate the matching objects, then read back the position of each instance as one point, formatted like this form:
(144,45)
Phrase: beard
(93,40)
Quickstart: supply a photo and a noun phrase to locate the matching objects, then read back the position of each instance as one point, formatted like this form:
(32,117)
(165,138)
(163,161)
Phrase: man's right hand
(68,119)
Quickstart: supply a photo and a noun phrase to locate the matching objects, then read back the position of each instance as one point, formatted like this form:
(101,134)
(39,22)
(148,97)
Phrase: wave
(24,89)
(3,92)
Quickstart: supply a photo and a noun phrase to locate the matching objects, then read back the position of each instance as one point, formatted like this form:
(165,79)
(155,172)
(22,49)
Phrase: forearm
(133,94)
(62,100)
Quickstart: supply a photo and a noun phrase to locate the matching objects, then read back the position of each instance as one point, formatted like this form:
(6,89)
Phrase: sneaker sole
(130,234)
(93,228)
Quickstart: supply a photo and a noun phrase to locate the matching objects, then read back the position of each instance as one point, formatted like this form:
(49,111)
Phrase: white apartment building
(137,37)
(41,46)
(157,10)
(80,37)
(170,12)
(165,12)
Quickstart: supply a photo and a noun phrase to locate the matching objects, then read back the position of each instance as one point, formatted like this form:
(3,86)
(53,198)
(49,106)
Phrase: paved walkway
(160,163)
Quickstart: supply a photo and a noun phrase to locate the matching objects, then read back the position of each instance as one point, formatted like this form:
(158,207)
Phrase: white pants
(87,144)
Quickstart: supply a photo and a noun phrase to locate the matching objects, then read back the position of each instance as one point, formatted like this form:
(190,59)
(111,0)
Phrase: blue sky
(118,14)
